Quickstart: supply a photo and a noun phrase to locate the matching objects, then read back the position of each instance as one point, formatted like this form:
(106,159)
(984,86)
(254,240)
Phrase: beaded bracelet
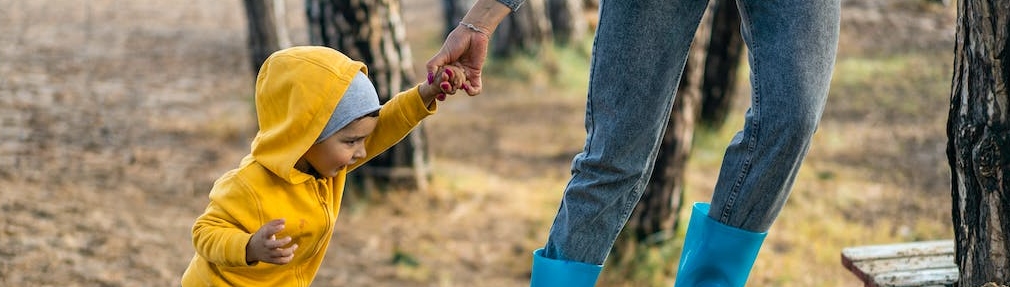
(475,28)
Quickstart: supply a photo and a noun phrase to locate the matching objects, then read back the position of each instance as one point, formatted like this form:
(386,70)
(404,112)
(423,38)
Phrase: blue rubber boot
(551,272)
(716,254)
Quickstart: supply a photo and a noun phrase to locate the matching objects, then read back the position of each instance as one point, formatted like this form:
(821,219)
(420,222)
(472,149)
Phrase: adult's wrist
(486,15)
(475,28)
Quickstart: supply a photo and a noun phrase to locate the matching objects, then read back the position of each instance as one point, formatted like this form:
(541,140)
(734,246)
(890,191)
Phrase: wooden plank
(866,278)
(898,250)
(919,264)
(917,278)
(882,266)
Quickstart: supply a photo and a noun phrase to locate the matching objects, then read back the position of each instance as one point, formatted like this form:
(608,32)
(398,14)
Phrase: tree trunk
(267,30)
(263,37)
(524,30)
(372,31)
(568,22)
(978,132)
(719,83)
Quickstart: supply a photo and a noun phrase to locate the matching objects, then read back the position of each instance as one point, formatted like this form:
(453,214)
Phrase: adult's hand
(467,49)
(466,46)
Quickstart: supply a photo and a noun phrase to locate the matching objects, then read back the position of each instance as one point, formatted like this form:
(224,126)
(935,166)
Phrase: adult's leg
(638,57)
(792,46)
(792,53)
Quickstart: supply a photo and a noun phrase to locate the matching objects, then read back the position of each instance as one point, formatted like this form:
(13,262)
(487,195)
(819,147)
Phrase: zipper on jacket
(326,212)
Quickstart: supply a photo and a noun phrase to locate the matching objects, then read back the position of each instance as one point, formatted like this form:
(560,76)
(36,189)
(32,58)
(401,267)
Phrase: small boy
(269,221)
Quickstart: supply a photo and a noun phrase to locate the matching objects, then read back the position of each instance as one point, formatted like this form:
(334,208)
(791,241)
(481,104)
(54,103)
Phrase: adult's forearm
(487,14)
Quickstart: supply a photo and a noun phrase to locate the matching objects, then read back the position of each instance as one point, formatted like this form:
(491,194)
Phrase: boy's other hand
(264,245)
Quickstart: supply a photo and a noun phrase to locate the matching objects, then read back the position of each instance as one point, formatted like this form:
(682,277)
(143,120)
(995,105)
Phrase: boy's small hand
(453,78)
(446,81)
(264,245)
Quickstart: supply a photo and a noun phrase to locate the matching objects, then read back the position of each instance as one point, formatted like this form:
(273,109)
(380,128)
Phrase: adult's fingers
(447,88)
(473,84)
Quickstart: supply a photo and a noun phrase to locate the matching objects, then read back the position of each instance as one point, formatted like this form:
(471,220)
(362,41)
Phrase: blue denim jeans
(638,57)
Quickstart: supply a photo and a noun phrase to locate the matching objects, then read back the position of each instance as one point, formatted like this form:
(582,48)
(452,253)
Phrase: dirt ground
(117,116)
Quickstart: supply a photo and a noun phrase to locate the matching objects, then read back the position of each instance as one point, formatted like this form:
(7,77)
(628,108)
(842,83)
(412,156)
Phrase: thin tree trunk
(372,31)
(280,24)
(725,47)
(263,38)
(978,132)
(568,22)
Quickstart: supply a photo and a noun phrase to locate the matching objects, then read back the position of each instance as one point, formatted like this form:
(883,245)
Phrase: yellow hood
(297,90)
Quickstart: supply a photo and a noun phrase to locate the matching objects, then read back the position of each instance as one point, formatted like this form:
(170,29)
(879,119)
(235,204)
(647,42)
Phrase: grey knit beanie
(359,100)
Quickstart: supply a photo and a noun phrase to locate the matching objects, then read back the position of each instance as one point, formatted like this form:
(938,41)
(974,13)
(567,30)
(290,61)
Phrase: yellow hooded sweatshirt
(297,89)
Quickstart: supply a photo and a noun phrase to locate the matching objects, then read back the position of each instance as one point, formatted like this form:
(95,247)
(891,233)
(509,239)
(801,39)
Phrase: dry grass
(116,116)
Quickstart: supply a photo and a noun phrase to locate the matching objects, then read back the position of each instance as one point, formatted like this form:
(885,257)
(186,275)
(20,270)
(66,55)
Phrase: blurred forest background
(117,116)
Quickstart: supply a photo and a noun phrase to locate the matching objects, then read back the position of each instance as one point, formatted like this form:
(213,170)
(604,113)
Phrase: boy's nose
(360,153)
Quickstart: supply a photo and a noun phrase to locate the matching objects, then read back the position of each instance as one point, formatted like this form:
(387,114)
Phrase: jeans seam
(590,136)
(755,125)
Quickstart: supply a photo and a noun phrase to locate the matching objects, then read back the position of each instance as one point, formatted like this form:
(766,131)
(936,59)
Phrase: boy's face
(343,148)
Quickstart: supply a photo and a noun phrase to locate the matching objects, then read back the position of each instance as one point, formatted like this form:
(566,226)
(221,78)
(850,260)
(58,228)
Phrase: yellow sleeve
(221,233)
(397,118)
